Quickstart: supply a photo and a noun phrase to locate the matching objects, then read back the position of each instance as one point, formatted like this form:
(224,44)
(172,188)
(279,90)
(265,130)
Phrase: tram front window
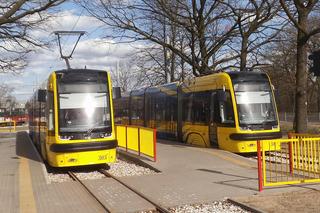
(84,111)
(255,104)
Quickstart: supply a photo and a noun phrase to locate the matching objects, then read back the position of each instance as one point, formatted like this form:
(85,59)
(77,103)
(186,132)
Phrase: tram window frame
(201,107)
(187,103)
(50,112)
(227,106)
(171,108)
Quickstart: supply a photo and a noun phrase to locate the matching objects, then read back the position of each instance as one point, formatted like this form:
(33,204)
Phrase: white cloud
(92,51)
(66,21)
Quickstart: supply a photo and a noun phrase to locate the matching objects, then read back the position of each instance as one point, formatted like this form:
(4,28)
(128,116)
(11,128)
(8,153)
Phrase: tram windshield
(84,107)
(255,104)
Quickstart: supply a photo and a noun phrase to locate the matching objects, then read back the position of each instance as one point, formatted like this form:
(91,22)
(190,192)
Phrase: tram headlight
(65,137)
(103,135)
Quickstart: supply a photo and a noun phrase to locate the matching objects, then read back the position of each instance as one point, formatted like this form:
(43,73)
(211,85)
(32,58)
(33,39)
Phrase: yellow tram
(226,110)
(71,118)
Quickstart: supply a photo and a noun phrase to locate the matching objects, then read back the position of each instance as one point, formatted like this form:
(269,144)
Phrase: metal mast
(59,34)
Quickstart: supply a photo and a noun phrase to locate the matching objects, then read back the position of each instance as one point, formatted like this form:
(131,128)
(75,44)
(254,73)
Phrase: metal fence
(289,117)
(140,140)
(296,161)
(7,126)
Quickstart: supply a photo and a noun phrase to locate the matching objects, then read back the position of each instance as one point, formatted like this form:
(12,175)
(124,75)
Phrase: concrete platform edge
(44,170)
(245,206)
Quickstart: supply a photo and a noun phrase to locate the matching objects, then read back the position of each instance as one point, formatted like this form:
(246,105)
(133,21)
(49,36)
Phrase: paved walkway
(196,175)
(188,175)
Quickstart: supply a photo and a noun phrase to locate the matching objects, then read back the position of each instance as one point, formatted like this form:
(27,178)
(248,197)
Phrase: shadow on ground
(25,148)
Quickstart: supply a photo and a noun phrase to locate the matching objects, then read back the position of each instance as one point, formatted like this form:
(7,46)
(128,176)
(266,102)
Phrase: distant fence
(296,161)
(289,117)
(141,140)
(7,126)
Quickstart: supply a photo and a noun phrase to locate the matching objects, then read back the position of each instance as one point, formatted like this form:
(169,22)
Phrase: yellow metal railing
(297,161)
(138,139)
(8,126)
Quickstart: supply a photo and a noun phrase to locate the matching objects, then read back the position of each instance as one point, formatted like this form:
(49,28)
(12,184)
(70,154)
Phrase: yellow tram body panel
(82,155)
(196,134)
(226,143)
(81,158)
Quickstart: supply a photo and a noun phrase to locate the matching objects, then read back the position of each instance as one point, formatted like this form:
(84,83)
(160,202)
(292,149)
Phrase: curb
(44,169)
(136,160)
(245,206)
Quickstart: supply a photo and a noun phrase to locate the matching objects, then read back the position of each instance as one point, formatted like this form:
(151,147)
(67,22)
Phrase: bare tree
(17,19)
(282,57)
(299,14)
(6,98)
(259,24)
(207,26)
(126,76)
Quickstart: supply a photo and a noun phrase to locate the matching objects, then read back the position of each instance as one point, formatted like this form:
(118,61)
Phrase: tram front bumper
(255,136)
(82,147)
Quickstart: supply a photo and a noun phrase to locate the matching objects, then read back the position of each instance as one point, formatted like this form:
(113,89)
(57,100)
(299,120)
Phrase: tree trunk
(244,53)
(301,115)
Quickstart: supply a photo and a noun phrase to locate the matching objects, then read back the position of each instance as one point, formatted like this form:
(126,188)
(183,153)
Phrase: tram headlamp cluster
(245,128)
(103,135)
(65,137)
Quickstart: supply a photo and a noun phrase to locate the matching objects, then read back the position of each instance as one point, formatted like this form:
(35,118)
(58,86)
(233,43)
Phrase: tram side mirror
(116,92)
(221,96)
(42,95)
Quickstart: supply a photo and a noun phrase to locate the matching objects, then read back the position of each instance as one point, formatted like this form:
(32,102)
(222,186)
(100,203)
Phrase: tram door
(213,121)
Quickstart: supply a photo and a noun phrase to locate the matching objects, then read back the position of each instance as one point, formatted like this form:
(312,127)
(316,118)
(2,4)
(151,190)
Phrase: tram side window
(160,107)
(171,108)
(50,111)
(137,108)
(43,114)
(226,110)
(187,107)
(201,105)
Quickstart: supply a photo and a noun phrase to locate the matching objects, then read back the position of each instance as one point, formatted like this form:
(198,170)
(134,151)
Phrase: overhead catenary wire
(73,27)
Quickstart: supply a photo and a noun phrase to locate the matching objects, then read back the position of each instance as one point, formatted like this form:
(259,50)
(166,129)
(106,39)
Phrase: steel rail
(74,177)
(158,207)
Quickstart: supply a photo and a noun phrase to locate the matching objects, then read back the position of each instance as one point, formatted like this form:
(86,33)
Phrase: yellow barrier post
(290,154)
(155,144)
(139,141)
(126,138)
(260,178)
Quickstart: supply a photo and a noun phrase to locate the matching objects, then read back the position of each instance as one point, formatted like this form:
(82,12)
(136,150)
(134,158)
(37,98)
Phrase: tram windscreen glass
(83,107)
(255,103)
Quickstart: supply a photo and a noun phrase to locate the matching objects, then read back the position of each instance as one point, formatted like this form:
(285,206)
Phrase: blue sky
(93,51)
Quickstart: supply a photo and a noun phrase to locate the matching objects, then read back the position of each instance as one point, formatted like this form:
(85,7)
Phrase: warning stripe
(27,202)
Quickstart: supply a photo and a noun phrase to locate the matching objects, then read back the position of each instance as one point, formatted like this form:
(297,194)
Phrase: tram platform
(188,175)
(24,185)
(203,175)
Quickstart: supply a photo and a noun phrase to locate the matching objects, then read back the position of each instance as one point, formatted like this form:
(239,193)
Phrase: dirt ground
(306,200)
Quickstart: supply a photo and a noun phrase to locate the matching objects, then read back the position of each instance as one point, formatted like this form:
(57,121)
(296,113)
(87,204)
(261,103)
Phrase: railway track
(158,207)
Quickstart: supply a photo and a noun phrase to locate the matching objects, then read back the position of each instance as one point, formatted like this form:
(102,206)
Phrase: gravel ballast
(120,168)
(214,207)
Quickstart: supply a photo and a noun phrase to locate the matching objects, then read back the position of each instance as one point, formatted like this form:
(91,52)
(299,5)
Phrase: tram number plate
(102,157)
